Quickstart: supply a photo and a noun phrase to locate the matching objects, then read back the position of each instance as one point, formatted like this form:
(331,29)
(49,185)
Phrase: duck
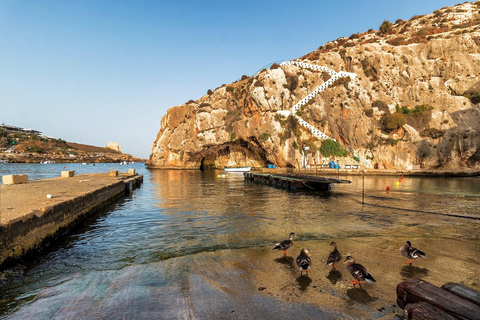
(334,257)
(285,244)
(358,272)
(411,253)
(304,261)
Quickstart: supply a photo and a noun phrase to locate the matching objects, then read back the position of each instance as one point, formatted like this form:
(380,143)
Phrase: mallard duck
(334,257)
(285,244)
(303,261)
(411,253)
(358,272)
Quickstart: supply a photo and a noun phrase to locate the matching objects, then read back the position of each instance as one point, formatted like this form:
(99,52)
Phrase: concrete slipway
(35,212)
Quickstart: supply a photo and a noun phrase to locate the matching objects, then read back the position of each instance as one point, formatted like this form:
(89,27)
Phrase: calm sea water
(132,251)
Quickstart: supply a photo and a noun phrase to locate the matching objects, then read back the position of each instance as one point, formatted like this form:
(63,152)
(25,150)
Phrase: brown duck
(304,261)
(285,244)
(358,272)
(334,257)
(411,253)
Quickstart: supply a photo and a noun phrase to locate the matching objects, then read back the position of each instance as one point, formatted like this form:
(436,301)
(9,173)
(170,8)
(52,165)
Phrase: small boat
(237,169)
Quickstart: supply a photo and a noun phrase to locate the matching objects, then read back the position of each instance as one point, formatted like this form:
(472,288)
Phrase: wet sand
(211,257)
(257,283)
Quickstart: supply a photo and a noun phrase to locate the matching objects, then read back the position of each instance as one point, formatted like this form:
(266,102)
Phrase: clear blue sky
(94,71)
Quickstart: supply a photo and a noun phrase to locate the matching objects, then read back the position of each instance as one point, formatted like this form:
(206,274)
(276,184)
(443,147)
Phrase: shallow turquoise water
(178,214)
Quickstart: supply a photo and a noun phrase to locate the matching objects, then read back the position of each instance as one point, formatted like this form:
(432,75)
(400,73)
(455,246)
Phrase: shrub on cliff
(417,111)
(473,96)
(332,148)
(369,113)
(386,27)
(432,133)
(380,105)
(264,136)
(292,83)
(393,121)
(274,66)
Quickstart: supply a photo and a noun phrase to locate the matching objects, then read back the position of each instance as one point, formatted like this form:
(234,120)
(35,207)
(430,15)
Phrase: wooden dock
(293,181)
(422,300)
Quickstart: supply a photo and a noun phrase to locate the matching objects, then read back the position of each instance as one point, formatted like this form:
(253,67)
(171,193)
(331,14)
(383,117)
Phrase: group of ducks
(358,271)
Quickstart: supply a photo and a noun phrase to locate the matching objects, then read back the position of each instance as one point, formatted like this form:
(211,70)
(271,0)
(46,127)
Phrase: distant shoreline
(39,158)
(383,172)
(354,172)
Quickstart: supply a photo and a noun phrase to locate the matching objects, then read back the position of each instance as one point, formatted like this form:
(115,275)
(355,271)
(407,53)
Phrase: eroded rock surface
(425,71)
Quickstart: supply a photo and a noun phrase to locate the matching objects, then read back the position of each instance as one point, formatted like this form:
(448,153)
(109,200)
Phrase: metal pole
(363,188)
(338,170)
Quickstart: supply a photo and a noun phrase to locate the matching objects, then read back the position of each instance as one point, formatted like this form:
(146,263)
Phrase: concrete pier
(33,213)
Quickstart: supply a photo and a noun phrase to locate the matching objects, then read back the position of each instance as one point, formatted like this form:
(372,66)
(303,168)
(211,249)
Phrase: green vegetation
(234,113)
(274,66)
(393,121)
(312,148)
(281,119)
(293,126)
(230,89)
(264,136)
(380,105)
(417,111)
(332,148)
(232,136)
(391,141)
(432,133)
(473,96)
(369,112)
(386,27)
(292,83)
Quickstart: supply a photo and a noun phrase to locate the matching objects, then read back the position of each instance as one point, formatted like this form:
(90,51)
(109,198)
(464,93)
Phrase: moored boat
(237,169)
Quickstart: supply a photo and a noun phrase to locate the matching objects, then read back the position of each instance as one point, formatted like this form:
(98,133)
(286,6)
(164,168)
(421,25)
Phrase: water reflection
(150,244)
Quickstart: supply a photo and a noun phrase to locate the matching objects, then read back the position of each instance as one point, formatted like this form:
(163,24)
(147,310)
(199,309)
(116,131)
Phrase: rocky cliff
(409,98)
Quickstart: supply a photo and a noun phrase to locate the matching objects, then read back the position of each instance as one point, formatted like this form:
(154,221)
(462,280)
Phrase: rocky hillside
(21,147)
(410,100)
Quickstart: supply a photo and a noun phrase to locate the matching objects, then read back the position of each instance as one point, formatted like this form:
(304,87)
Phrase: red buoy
(388,188)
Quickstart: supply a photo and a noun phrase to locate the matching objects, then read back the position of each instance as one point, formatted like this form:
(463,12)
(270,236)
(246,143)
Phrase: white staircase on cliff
(334,76)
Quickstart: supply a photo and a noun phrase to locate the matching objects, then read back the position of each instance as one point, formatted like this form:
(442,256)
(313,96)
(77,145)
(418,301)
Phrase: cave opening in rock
(239,153)
(207,162)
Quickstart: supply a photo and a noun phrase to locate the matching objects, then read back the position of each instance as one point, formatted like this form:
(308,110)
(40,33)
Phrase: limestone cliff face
(425,73)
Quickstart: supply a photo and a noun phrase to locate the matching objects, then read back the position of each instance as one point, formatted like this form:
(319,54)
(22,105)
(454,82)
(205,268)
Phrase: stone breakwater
(36,212)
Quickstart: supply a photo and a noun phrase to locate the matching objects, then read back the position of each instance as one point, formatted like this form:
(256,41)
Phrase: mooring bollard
(14,179)
(113,173)
(68,174)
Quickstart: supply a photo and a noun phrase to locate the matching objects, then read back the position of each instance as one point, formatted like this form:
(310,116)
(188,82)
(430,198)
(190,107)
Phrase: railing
(334,76)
